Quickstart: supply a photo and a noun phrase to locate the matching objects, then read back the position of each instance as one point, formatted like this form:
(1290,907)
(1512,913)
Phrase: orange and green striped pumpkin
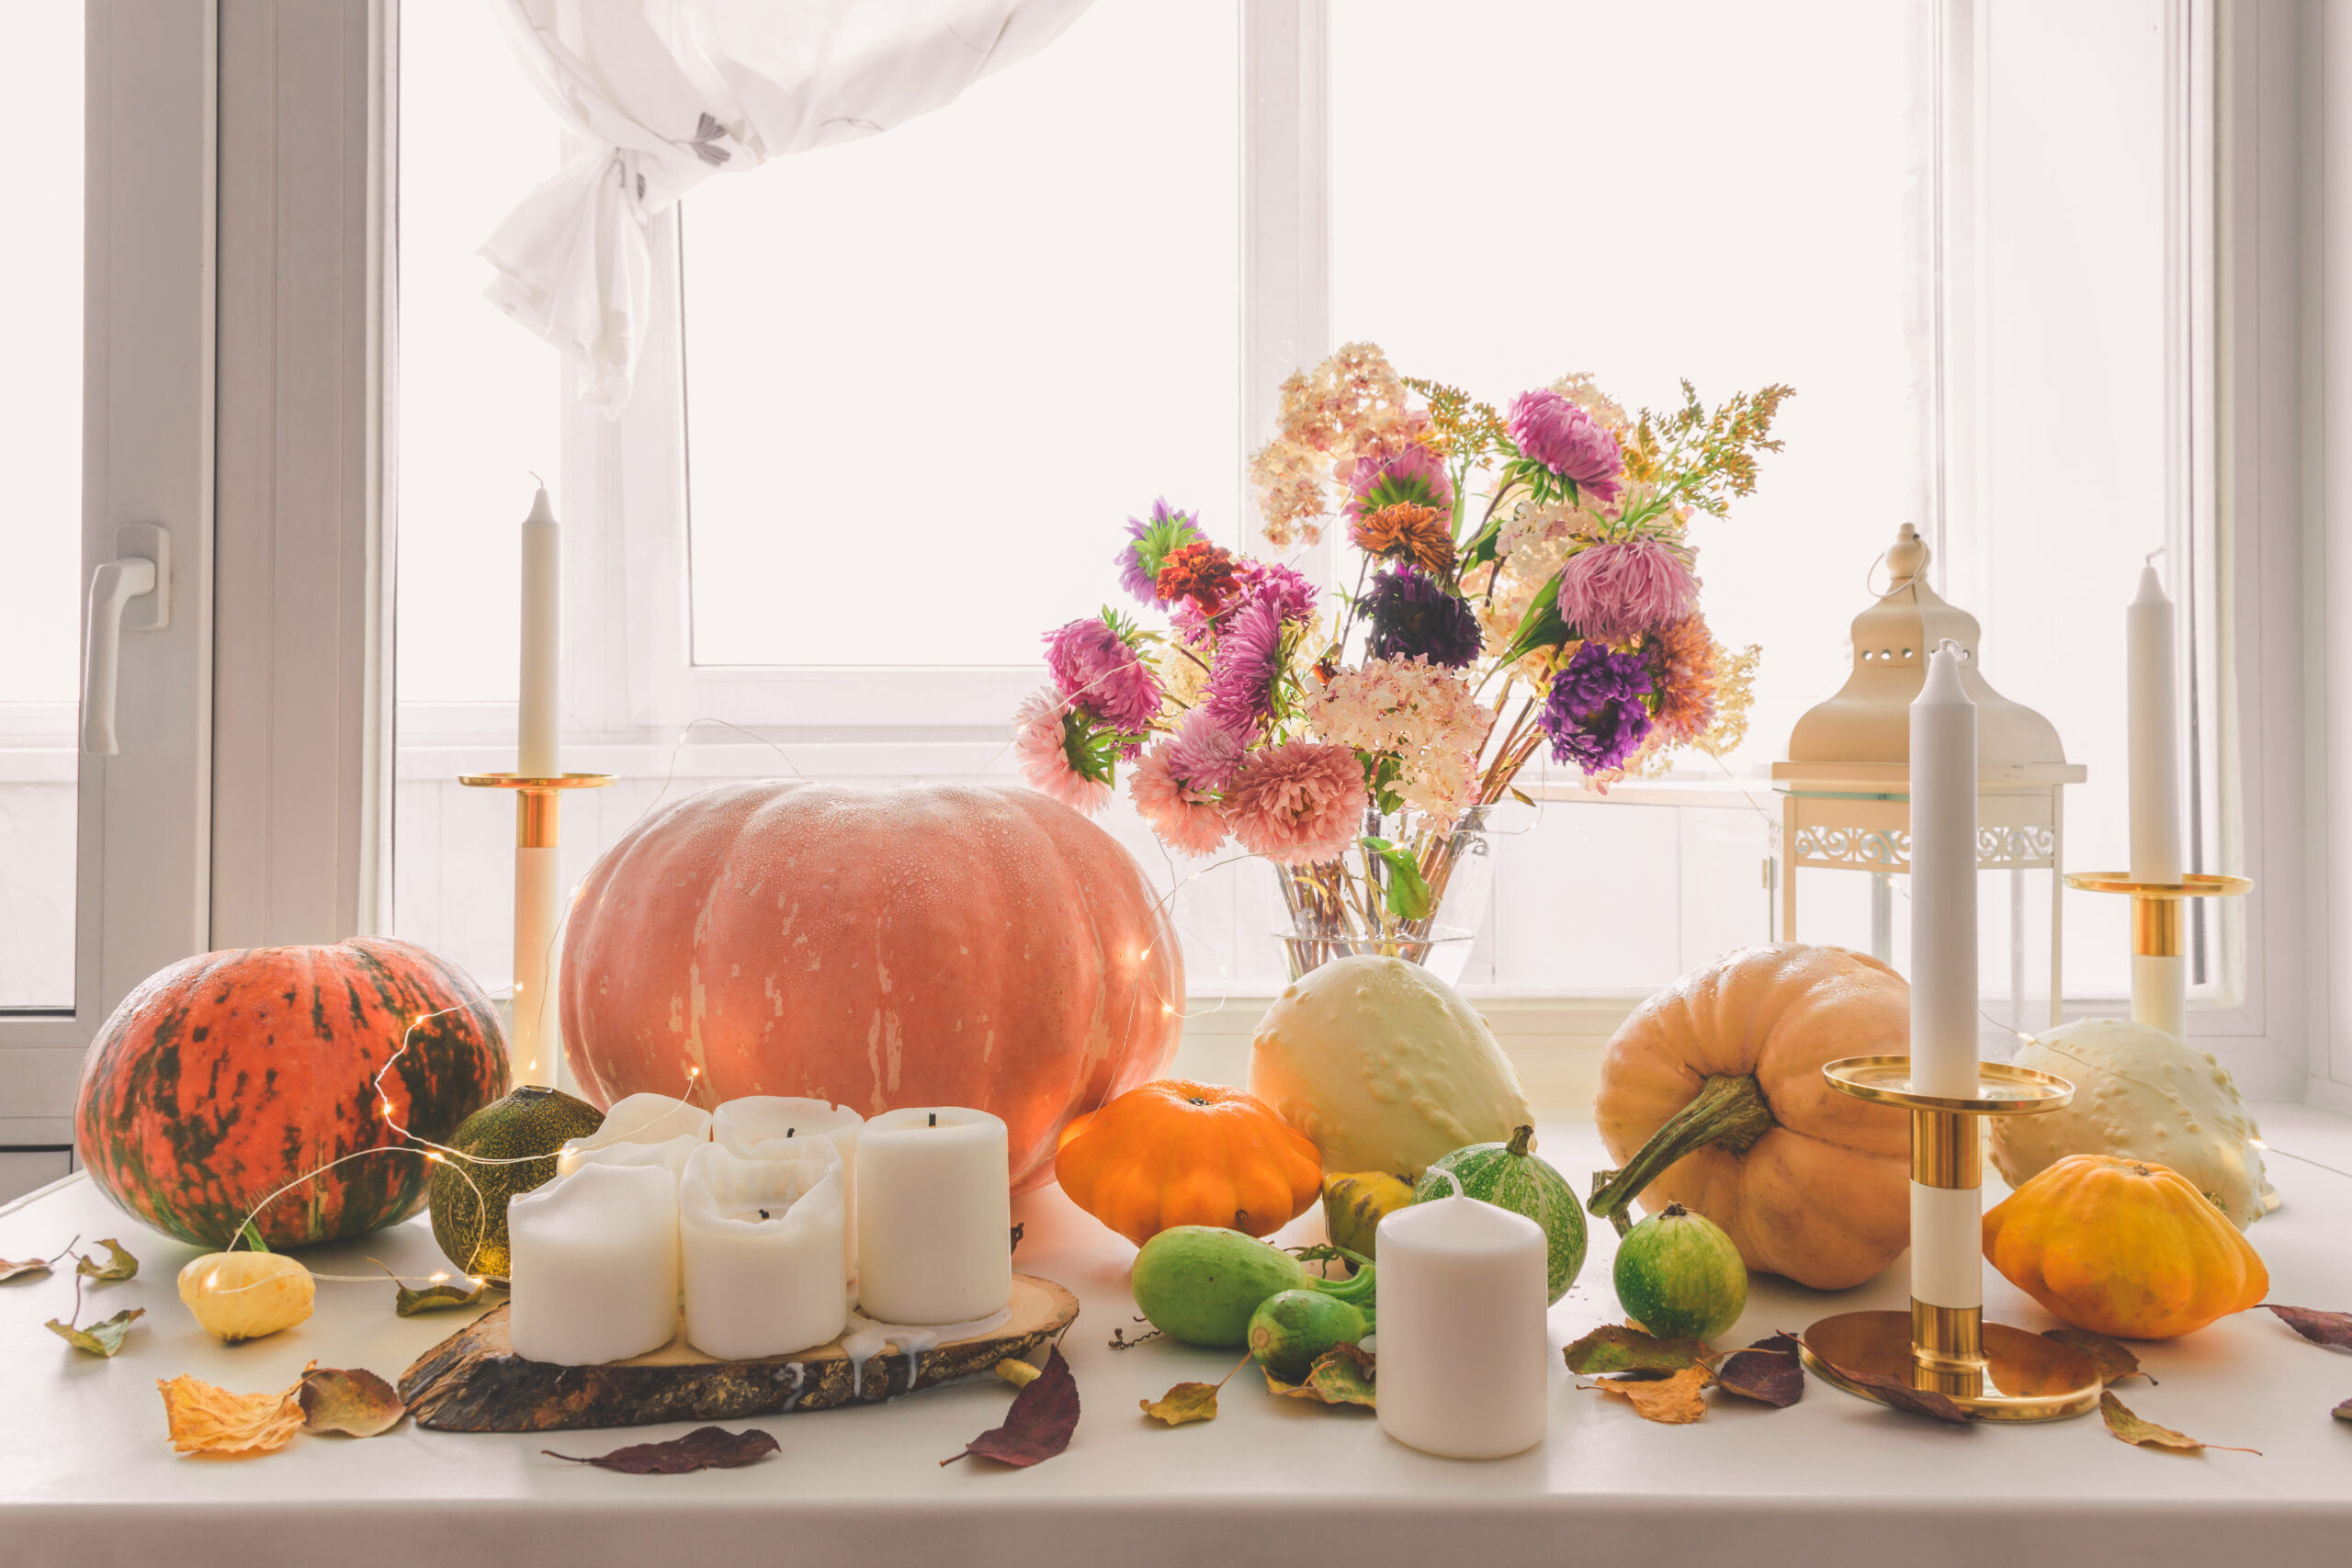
(231,1074)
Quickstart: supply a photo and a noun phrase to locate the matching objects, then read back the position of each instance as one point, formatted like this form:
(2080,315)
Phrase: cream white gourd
(1384,1066)
(2140,1094)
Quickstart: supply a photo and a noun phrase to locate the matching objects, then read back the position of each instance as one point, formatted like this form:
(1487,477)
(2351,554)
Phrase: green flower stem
(1729,1110)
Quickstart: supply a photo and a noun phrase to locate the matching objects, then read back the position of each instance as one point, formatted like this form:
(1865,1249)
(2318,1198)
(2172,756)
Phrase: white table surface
(88,1478)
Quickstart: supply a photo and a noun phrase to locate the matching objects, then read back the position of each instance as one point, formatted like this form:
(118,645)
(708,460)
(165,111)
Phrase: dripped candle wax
(763,1254)
(935,1216)
(640,1129)
(594,1267)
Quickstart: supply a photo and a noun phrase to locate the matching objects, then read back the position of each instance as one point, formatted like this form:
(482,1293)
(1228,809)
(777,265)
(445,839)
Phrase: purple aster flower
(1241,673)
(1617,590)
(1149,540)
(1559,434)
(1411,614)
(1594,713)
(1271,583)
(1099,673)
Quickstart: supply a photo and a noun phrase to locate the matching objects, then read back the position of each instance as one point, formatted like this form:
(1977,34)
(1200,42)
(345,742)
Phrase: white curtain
(670,92)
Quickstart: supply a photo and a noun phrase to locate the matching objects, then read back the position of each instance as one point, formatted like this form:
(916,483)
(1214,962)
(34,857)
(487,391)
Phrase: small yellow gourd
(236,1296)
(2124,1248)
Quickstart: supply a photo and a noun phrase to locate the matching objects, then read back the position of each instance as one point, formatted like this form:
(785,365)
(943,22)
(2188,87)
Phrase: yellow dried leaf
(1017,1372)
(1674,1402)
(205,1419)
(1186,1401)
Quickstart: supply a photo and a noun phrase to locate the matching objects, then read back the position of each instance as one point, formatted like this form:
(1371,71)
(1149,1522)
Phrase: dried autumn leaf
(1344,1375)
(2112,1358)
(705,1448)
(2143,1433)
(437,1298)
(1185,1402)
(102,1338)
(10,1269)
(1767,1371)
(2344,1411)
(1674,1402)
(1618,1348)
(1017,1372)
(120,1264)
(2333,1329)
(355,1400)
(205,1419)
(1903,1397)
(1040,1425)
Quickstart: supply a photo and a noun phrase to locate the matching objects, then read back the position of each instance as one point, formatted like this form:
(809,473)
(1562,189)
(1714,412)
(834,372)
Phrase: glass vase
(1353,905)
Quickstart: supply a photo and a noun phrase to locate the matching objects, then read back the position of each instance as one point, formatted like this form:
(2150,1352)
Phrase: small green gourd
(1200,1283)
(1680,1276)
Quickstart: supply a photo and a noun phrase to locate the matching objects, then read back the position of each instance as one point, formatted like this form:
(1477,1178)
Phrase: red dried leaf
(2333,1329)
(2344,1411)
(1038,1427)
(1767,1371)
(706,1448)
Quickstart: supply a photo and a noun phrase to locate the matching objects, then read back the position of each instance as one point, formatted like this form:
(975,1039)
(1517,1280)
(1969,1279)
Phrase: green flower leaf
(102,1338)
(119,1266)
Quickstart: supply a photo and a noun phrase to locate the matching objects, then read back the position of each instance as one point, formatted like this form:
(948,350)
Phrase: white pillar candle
(533,1042)
(762,1247)
(595,1266)
(1466,1371)
(640,1129)
(764,1126)
(1943,881)
(935,1216)
(2159,985)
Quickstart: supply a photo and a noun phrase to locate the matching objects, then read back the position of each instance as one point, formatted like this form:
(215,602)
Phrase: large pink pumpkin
(935,944)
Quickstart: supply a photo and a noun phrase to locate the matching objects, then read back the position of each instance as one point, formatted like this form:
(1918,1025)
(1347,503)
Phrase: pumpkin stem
(1520,1139)
(1729,1110)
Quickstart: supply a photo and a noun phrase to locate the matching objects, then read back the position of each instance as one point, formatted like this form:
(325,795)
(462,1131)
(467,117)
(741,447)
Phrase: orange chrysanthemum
(1407,531)
(1200,571)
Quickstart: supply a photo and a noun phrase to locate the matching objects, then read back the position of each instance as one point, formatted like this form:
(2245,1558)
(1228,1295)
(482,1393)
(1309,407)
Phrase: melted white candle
(761,1248)
(934,1215)
(595,1269)
(761,1127)
(640,1129)
(1465,1366)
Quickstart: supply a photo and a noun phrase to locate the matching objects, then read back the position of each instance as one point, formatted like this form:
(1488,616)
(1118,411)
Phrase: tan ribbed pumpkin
(1712,1096)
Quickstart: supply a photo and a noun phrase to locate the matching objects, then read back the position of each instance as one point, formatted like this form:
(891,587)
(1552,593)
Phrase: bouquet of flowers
(1524,582)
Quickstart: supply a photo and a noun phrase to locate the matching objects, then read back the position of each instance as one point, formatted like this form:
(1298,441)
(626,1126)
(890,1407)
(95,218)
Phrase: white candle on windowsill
(538,888)
(1464,1365)
(1947,1224)
(935,1216)
(595,1265)
(761,1246)
(640,1129)
(2159,984)
(766,1127)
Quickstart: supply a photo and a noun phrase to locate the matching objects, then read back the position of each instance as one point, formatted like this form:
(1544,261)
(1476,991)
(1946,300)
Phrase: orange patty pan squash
(2124,1247)
(1173,1153)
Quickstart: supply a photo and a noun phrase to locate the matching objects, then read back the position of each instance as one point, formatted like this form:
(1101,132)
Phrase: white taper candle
(538,888)
(2159,985)
(1943,881)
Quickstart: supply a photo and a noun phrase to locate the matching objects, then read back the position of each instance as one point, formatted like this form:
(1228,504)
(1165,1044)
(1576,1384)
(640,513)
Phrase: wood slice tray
(473,1381)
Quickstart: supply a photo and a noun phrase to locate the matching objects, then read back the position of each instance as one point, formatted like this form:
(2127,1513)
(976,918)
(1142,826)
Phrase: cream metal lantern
(1846,787)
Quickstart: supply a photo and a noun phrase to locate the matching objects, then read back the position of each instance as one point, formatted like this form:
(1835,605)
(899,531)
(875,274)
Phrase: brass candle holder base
(536,801)
(2000,1373)
(2155,906)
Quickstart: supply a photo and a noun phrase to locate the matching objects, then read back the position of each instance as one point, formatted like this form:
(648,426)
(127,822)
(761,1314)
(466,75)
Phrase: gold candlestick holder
(538,802)
(2000,1373)
(2155,906)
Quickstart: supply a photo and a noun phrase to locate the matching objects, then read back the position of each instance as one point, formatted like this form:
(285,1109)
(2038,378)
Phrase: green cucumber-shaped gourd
(1510,1177)
(1200,1283)
(1291,1328)
(1680,1275)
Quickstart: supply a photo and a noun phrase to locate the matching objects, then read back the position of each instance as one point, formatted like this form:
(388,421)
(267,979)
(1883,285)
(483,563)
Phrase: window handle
(131,592)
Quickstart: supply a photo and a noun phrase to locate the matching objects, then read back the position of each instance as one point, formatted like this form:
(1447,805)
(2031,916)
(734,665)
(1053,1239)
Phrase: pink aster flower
(1271,583)
(1186,818)
(1613,591)
(1040,740)
(1241,673)
(1203,754)
(1411,472)
(1095,669)
(1563,437)
(1297,802)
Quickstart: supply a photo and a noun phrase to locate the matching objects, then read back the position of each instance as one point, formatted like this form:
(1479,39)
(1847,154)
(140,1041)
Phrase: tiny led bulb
(436,1277)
